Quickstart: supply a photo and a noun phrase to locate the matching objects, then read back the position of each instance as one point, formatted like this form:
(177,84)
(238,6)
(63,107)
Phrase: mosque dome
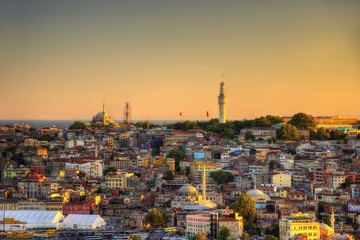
(324,226)
(256,194)
(99,114)
(188,191)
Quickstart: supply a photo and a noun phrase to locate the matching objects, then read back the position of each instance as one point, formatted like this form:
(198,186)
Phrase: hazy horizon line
(159,119)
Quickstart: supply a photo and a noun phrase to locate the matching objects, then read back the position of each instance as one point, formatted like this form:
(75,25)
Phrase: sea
(63,124)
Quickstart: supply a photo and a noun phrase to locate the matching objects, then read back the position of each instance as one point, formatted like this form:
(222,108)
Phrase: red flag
(207,113)
(180,114)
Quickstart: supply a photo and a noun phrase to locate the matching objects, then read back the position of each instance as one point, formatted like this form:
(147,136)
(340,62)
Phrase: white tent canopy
(35,219)
(83,221)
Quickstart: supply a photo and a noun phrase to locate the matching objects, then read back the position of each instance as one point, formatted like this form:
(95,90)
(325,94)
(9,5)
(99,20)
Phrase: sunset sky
(62,59)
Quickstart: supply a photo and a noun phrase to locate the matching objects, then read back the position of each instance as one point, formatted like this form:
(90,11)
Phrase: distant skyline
(63,59)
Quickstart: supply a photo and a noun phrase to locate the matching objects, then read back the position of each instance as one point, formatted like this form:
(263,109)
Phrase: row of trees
(290,132)
(231,128)
(221,177)
(228,129)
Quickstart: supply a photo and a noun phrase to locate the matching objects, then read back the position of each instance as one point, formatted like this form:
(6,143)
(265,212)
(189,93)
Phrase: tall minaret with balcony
(222,103)
(204,185)
(332,218)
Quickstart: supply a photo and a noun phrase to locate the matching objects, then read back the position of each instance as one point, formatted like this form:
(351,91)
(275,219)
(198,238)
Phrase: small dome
(99,114)
(188,191)
(324,226)
(257,194)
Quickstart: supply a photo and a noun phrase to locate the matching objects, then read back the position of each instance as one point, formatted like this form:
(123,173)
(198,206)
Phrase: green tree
(224,233)
(250,228)
(287,132)
(54,149)
(245,236)
(78,125)
(339,135)
(272,164)
(97,125)
(326,219)
(322,134)
(262,122)
(267,121)
(303,121)
(18,158)
(245,206)
(321,206)
(313,134)
(167,204)
(348,181)
(196,237)
(221,177)
(274,119)
(135,237)
(46,137)
(146,125)
(336,135)
(272,140)
(32,129)
(155,218)
(155,151)
(8,150)
(249,136)
(187,171)
(270,237)
(28,148)
(355,226)
(109,169)
(228,133)
(273,230)
(178,155)
(168,175)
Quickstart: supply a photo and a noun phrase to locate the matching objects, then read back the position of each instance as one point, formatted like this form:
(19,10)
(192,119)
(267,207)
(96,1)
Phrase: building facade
(117,180)
(298,225)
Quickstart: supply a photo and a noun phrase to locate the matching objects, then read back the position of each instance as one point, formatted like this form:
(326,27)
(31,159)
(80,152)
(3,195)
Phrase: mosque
(188,198)
(103,117)
(259,197)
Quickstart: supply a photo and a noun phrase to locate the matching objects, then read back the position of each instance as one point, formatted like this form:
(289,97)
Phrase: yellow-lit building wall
(171,163)
(299,224)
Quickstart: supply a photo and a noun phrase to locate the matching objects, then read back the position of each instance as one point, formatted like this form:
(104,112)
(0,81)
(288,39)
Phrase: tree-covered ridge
(228,129)
(288,131)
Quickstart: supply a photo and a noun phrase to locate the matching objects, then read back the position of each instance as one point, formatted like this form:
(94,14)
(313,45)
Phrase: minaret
(222,102)
(104,113)
(204,185)
(332,218)
(127,113)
